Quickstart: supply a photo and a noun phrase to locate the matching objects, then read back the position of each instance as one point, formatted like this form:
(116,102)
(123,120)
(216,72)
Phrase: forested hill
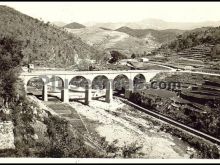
(196,37)
(42,43)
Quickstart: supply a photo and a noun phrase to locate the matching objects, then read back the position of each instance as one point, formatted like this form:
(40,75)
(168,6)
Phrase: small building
(131,60)
(143,59)
(30,67)
(93,61)
(188,67)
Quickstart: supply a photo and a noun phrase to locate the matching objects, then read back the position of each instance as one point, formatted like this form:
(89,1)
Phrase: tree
(10,53)
(215,152)
(116,56)
(10,59)
(133,56)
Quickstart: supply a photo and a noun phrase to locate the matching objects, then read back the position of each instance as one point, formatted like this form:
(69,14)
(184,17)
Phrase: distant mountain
(74,25)
(160,24)
(43,43)
(161,36)
(104,28)
(108,40)
(157,24)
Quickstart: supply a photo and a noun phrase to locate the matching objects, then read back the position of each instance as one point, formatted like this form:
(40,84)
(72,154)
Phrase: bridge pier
(25,87)
(109,92)
(88,95)
(65,92)
(54,85)
(130,89)
(44,93)
(65,95)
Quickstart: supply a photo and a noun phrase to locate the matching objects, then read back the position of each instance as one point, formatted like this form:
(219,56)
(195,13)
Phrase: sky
(84,12)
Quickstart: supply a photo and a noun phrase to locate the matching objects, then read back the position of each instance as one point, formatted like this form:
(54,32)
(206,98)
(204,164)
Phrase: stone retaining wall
(6,135)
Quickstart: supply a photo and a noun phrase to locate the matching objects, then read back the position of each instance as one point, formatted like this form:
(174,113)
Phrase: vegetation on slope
(207,37)
(200,36)
(10,59)
(198,48)
(161,36)
(43,43)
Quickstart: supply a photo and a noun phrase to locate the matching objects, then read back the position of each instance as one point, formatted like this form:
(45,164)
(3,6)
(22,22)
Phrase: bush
(10,59)
(64,142)
(129,150)
(116,56)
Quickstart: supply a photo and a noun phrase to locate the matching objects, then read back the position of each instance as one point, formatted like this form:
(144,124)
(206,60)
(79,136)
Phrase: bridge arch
(56,82)
(139,80)
(77,87)
(79,81)
(29,78)
(35,82)
(100,82)
(36,85)
(120,83)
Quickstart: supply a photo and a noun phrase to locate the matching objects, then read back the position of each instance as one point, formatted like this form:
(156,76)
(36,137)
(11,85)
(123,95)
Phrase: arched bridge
(67,76)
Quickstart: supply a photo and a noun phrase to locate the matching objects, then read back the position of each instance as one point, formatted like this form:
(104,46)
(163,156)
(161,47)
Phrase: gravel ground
(125,129)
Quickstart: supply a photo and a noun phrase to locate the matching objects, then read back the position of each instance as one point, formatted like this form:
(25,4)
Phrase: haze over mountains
(157,24)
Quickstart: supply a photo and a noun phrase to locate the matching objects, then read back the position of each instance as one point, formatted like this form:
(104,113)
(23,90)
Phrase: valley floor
(118,129)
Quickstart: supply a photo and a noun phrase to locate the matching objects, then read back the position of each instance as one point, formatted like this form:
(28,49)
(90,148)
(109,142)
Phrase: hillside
(200,44)
(197,49)
(107,40)
(205,35)
(74,25)
(42,43)
(161,36)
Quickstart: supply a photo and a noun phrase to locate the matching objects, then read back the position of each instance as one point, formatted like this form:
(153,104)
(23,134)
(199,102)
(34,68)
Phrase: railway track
(172,122)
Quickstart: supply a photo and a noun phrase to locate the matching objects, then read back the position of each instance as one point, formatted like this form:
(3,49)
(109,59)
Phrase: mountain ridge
(157,24)
(161,36)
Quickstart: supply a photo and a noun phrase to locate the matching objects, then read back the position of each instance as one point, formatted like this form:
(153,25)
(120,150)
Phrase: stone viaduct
(67,76)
